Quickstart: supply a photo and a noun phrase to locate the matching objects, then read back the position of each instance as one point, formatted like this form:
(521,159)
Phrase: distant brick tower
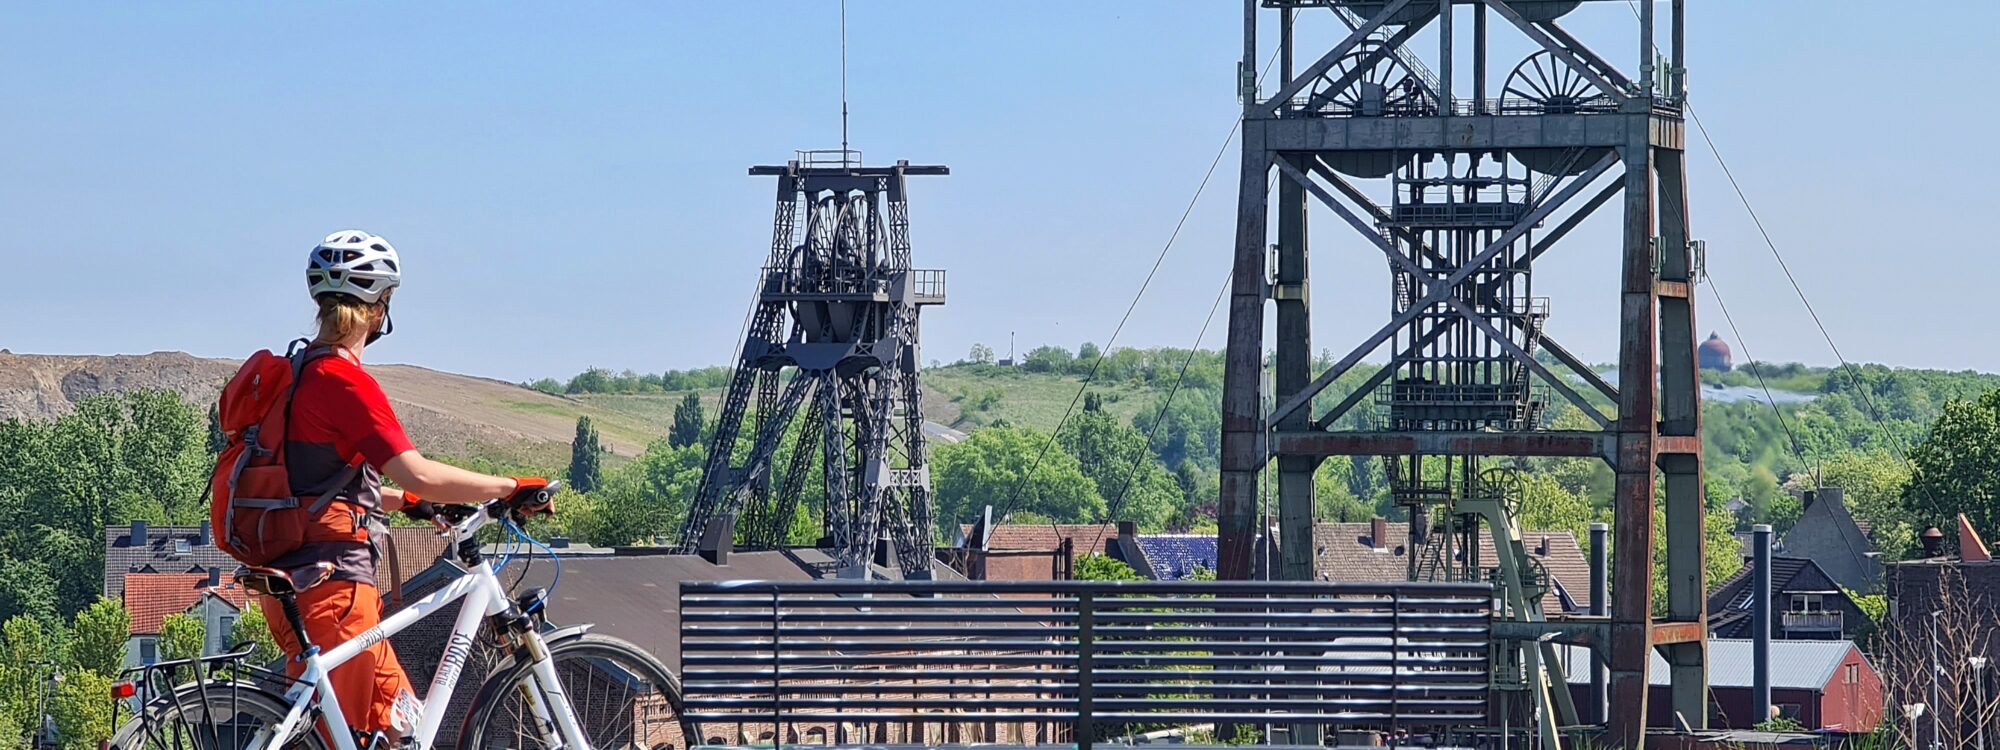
(1713,354)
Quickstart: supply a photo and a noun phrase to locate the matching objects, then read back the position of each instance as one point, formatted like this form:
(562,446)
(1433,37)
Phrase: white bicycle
(563,689)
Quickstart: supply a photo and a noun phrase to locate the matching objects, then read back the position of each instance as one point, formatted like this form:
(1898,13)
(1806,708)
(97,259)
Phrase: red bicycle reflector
(123,690)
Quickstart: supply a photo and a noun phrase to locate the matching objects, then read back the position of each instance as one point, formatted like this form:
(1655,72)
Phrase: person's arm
(443,483)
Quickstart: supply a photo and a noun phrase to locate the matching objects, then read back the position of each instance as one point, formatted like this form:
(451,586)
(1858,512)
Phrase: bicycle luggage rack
(143,686)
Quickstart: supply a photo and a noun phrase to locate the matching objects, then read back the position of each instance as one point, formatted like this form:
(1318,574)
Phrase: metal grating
(1085,658)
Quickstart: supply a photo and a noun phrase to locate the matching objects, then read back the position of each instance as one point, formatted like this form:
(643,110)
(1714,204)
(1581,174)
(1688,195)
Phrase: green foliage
(586,452)
(83,710)
(1779,724)
(993,467)
(1099,567)
(688,422)
(645,498)
(600,380)
(981,355)
(1121,467)
(182,636)
(97,637)
(251,628)
(1957,468)
(1548,506)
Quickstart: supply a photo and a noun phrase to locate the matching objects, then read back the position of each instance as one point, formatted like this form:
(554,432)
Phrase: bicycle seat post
(290,603)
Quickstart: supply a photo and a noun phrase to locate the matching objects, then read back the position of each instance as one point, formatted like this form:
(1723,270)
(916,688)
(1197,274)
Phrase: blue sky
(566,181)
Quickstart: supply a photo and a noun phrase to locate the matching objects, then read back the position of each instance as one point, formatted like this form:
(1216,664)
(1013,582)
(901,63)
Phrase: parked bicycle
(559,689)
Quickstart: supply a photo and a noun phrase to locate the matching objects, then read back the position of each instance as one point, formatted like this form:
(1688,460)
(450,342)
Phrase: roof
(151,597)
(1346,552)
(1795,665)
(1042,536)
(178,549)
(162,553)
(1177,556)
(636,596)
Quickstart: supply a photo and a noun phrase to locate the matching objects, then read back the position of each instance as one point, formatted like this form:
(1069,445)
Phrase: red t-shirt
(340,416)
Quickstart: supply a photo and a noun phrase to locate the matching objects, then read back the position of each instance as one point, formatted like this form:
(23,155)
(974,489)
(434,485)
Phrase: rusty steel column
(1242,444)
(1632,522)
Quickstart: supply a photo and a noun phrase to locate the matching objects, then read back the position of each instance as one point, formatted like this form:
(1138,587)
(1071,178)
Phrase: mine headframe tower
(833,332)
(1462,196)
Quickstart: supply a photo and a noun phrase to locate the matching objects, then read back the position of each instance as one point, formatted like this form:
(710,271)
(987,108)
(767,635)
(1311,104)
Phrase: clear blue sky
(566,181)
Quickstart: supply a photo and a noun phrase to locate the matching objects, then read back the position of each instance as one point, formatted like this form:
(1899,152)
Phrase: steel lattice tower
(834,333)
(1462,197)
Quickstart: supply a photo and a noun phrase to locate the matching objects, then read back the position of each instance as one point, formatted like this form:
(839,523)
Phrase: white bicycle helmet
(353,262)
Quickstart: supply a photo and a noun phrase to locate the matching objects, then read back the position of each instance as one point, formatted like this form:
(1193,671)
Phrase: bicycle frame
(486,597)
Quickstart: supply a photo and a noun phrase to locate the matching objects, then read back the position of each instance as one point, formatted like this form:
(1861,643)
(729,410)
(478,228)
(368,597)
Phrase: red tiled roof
(1021,536)
(150,597)
(1345,552)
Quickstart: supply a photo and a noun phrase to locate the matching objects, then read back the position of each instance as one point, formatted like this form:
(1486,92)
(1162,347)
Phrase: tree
(182,636)
(1099,567)
(1957,468)
(981,355)
(648,496)
(1125,473)
(83,713)
(251,628)
(1048,359)
(585,452)
(993,467)
(688,422)
(1547,506)
(97,639)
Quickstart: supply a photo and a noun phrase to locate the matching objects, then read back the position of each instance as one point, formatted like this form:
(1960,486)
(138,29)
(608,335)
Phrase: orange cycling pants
(334,613)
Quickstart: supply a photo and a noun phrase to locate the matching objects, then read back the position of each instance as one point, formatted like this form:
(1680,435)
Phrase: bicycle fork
(547,702)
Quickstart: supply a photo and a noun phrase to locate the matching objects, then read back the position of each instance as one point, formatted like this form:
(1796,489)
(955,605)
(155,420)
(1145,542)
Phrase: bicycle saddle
(277,582)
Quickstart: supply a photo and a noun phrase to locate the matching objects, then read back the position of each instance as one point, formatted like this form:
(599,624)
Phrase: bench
(1075,662)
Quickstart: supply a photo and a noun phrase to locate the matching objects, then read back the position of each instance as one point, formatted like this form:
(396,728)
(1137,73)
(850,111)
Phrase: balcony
(1812,622)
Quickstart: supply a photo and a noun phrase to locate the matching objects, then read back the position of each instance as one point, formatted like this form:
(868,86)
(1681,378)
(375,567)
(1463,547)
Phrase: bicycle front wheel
(211,717)
(624,699)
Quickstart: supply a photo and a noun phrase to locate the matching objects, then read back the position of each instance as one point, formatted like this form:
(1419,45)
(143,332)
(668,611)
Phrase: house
(1806,603)
(1943,617)
(140,548)
(1829,536)
(1373,552)
(1173,557)
(1823,685)
(152,597)
(1030,552)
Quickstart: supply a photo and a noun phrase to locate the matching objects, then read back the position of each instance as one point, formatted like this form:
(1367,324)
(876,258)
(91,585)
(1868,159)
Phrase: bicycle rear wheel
(212,717)
(623,697)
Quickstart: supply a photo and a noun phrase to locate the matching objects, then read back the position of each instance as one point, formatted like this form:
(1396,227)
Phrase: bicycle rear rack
(177,701)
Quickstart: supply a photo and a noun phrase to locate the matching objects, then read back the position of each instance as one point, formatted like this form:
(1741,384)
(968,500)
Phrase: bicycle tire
(591,667)
(188,720)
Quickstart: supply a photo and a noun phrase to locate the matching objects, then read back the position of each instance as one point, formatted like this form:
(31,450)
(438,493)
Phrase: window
(148,653)
(1852,674)
(223,629)
(182,547)
(1808,603)
(1789,710)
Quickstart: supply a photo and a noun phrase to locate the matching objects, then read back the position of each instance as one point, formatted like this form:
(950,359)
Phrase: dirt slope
(445,413)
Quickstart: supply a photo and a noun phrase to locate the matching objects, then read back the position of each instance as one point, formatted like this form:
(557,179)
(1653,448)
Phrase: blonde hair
(342,317)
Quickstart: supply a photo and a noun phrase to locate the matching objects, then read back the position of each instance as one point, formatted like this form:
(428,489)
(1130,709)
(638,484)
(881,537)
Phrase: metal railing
(1076,661)
(1813,621)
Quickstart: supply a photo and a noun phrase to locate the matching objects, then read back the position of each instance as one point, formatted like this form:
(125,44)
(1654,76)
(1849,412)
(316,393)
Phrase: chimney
(201,535)
(1970,547)
(558,542)
(1378,533)
(1807,501)
(717,540)
(138,532)
(1834,495)
(1542,546)
(214,577)
(1933,542)
(1760,621)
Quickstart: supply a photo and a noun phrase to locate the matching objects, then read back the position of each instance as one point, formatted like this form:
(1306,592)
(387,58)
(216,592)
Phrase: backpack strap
(302,353)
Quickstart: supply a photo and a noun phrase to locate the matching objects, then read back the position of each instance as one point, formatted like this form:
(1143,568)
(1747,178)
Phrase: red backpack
(255,516)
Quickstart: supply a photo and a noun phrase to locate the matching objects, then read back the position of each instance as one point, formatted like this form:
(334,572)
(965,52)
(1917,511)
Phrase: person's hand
(533,496)
(417,509)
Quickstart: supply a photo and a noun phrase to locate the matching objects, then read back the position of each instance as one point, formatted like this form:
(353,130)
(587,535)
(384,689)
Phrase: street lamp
(1913,711)
(1937,669)
(1978,664)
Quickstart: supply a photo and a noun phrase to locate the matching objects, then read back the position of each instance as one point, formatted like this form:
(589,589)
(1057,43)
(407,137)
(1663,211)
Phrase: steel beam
(1577,444)
(1276,103)
(1243,425)
(1632,502)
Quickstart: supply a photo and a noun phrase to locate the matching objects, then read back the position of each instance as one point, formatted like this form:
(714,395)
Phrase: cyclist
(341,426)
